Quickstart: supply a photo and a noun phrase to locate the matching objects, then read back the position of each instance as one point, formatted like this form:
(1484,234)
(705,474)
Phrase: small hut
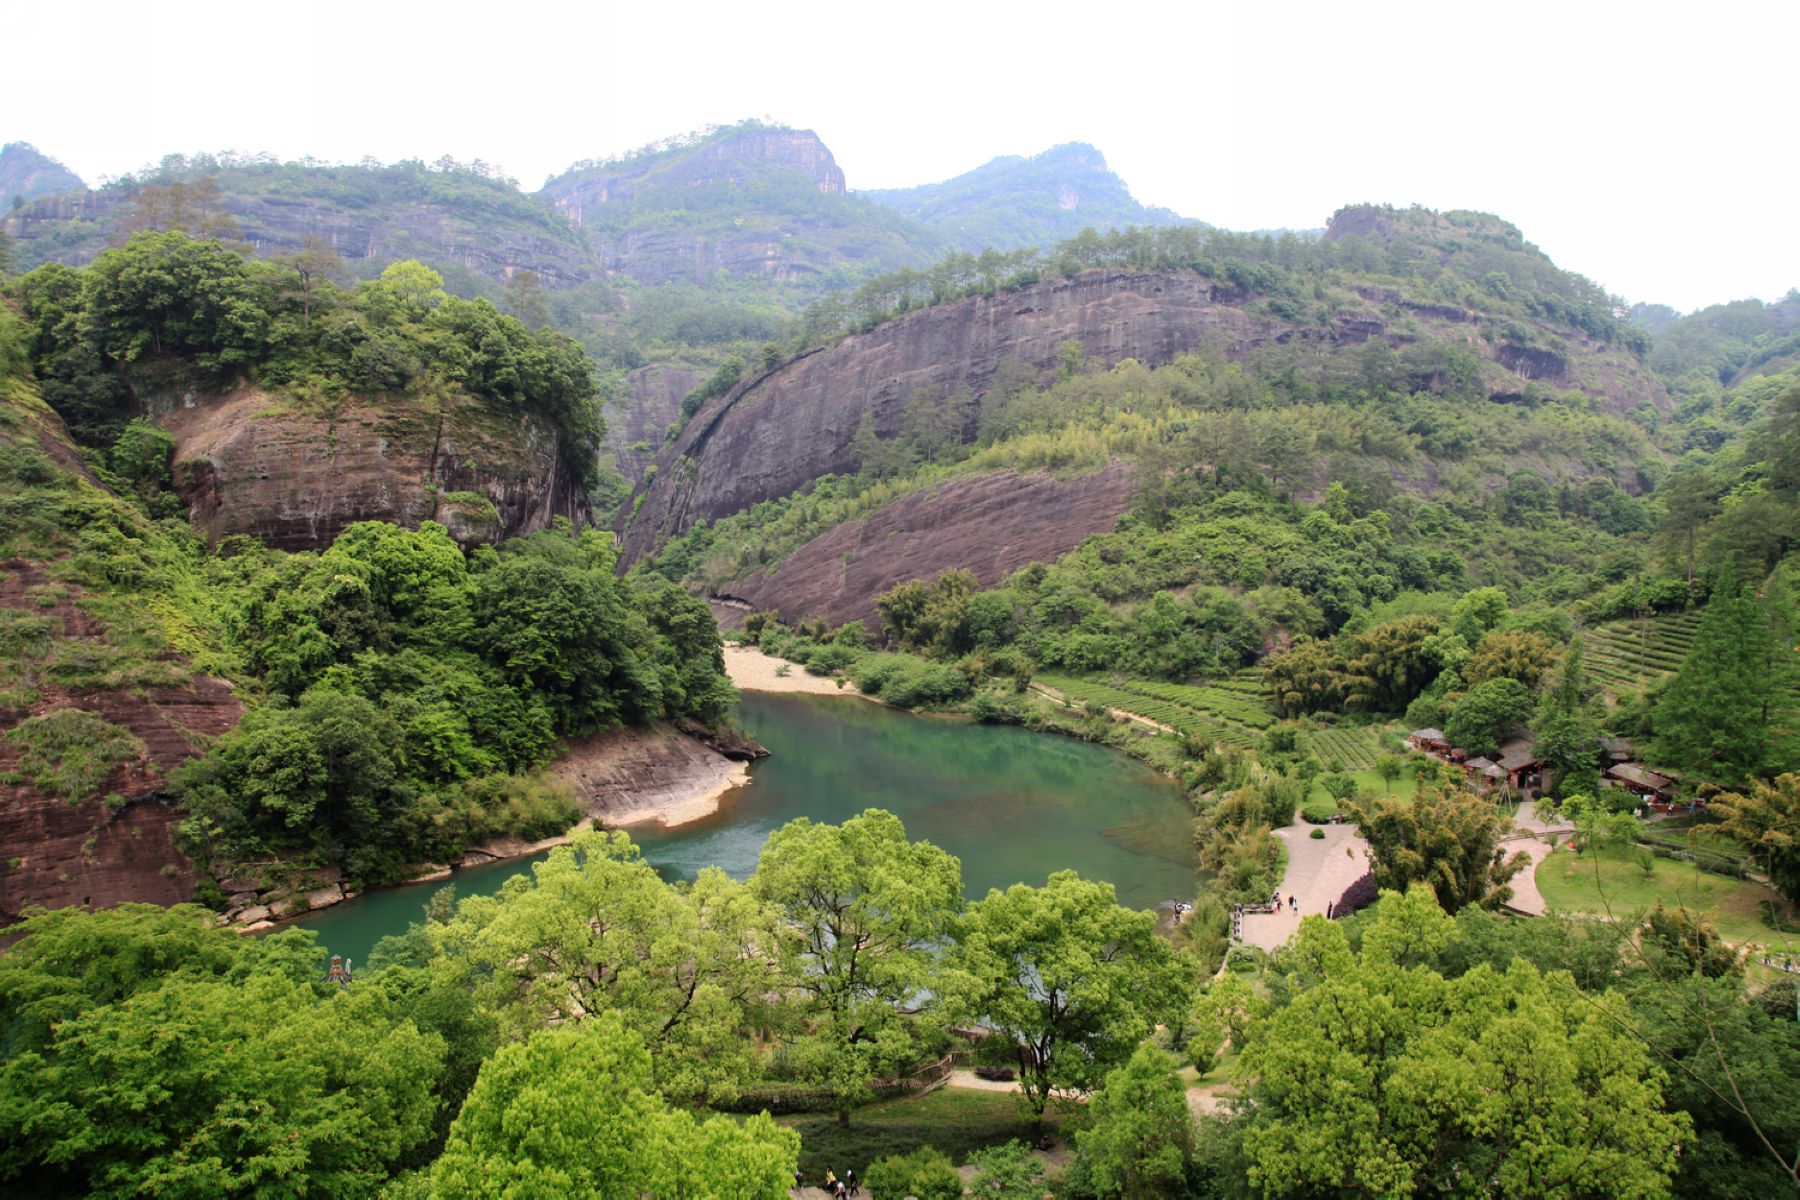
(1655,787)
(1484,773)
(1518,759)
(1429,741)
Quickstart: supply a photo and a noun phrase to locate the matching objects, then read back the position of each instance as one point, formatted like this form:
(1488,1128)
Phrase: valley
(819,658)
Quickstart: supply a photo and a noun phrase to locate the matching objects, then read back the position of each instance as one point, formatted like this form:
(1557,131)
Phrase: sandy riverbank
(630,776)
(753,671)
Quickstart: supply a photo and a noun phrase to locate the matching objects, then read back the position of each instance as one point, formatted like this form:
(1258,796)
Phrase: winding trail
(1318,871)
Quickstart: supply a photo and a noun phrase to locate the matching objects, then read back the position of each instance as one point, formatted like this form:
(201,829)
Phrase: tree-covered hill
(1014,202)
(464,219)
(27,173)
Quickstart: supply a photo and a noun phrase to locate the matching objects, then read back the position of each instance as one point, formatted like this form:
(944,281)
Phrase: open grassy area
(1623,888)
(958,1121)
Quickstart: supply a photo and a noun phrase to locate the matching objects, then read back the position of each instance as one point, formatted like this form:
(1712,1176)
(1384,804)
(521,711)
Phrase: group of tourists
(1293,901)
(834,1186)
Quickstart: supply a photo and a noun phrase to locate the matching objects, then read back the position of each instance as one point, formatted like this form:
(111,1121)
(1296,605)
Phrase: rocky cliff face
(733,158)
(642,415)
(392,223)
(246,463)
(748,200)
(93,851)
(990,524)
(780,429)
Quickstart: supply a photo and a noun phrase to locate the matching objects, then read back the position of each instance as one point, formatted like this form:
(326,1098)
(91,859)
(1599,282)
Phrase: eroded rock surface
(114,844)
(990,524)
(781,428)
(295,477)
(627,775)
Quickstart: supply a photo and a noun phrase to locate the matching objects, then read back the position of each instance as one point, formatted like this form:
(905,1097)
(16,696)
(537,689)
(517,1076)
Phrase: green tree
(1713,721)
(573,1113)
(1445,837)
(1384,1078)
(1766,819)
(163,293)
(1567,736)
(1689,500)
(863,913)
(212,1086)
(1487,713)
(1006,1172)
(1138,1143)
(596,930)
(525,298)
(1068,975)
(1522,654)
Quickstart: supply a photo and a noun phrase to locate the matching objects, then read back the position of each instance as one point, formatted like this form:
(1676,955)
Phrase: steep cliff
(93,715)
(639,416)
(779,429)
(295,476)
(991,524)
(749,200)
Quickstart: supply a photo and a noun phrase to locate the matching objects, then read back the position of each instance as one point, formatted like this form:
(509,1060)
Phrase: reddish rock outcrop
(247,463)
(781,429)
(59,853)
(990,524)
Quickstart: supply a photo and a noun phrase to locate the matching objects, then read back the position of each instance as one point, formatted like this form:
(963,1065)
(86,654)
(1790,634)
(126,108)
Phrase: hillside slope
(779,429)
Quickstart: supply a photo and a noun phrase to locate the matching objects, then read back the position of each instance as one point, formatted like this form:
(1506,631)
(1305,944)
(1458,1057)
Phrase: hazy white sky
(1650,146)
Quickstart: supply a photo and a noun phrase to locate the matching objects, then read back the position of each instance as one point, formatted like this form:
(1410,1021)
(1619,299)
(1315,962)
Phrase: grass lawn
(957,1121)
(1403,787)
(1568,883)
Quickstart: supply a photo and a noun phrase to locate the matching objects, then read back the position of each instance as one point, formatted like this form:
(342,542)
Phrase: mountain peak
(27,173)
(1012,202)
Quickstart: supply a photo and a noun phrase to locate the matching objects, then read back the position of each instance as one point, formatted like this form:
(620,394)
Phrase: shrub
(1318,812)
(925,1174)
(1318,833)
(69,752)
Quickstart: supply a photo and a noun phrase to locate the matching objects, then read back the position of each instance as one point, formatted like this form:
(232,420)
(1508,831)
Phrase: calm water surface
(1013,806)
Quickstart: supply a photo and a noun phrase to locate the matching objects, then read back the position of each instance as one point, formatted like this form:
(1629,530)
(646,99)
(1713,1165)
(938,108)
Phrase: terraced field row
(1234,708)
(1182,719)
(1633,653)
(1350,749)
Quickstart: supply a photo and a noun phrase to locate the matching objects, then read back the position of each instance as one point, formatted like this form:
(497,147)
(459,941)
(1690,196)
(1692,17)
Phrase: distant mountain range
(744,203)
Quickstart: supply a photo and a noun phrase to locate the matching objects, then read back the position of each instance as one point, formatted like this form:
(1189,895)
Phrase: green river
(1014,806)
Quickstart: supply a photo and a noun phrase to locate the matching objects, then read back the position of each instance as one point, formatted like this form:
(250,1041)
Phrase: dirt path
(1526,897)
(1052,694)
(1318,871)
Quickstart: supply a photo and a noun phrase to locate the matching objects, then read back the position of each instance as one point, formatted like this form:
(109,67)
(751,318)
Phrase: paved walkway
(1318,871)
(1526,897)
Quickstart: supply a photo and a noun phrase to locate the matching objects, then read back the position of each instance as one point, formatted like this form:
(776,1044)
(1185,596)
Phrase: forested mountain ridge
(460,218)
(1012,202)
(26,173)
(1443,304)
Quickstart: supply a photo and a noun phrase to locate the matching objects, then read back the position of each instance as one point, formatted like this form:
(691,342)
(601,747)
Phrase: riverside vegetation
(1318,547)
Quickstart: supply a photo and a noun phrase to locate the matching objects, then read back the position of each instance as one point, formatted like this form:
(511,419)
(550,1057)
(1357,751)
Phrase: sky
(1648,146)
